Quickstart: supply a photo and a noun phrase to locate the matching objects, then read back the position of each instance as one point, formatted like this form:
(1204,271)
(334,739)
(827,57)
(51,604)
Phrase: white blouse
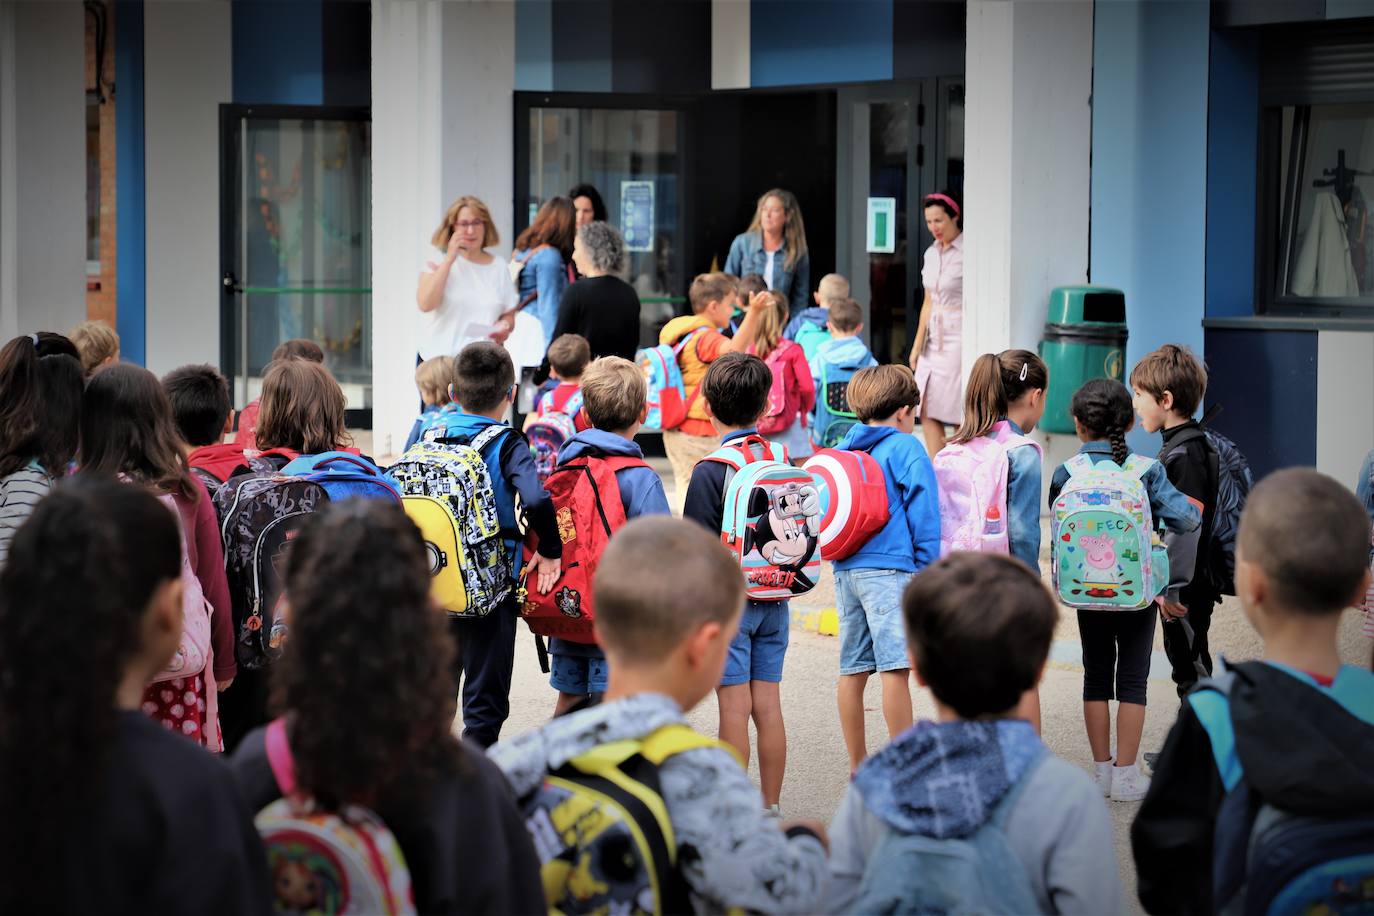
(476,294)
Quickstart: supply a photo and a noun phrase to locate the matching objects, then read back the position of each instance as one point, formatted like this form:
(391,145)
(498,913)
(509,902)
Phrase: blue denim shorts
(577,675)
(757,651)
(872,637)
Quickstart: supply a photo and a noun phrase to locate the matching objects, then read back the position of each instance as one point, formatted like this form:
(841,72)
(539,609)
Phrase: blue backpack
(1228,467)
(343,475)
(667,396)
(911,873)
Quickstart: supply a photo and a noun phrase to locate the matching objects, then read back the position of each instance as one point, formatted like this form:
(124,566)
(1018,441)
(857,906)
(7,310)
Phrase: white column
(9,212)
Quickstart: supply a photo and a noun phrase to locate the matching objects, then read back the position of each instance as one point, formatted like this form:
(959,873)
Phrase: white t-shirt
(476,294)
(768,269)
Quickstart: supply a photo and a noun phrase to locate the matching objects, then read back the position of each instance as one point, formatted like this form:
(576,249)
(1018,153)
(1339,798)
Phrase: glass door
(296,244)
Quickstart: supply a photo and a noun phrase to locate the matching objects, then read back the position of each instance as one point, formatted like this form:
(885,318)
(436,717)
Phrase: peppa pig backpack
(972,478)
(1106,556)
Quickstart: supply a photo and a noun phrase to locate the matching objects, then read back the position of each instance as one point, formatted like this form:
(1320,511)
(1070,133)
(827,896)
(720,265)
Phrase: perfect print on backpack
(853,498)
(772,519)
(343,476)
(1105,553)
(972,479)
(667,397)
(833,415)
(344,862)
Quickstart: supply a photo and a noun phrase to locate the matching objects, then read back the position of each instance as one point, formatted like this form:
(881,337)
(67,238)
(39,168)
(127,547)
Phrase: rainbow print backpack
(1106,555)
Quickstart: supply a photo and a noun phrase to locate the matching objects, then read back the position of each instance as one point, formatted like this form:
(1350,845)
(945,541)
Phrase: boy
(431,378)
(835,362)
(484,386)
(831,288)
(714,297)
(613,393)
(199,396)
(97,343)
(569,355)
(736,394)
(945,780)
(296,348)
(667,645)
(869,583)
(1168,385)
(1295,731)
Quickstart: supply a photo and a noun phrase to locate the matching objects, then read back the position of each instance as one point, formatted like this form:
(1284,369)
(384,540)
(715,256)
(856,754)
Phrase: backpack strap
(1079,464)
(1137,466)
(1211,703)
(279,757)
(679,738)
(488,436)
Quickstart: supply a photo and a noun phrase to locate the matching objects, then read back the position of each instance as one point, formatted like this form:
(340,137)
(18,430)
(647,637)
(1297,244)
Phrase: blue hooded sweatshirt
(910,541)
(842,353)
(814,315)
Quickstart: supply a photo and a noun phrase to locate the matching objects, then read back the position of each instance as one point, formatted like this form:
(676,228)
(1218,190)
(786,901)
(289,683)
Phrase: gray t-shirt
(20,493)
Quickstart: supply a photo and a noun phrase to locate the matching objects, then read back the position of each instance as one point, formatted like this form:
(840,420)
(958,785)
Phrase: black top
(605,310)
(466,846)
(1191,466)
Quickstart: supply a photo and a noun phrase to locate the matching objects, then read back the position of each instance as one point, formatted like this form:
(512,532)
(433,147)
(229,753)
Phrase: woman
(774,247)
(601,307)
(936,354)
(463,290)
(588,206)
(540,259)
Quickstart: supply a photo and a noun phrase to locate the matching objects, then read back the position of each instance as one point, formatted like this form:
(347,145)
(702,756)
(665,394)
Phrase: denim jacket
(1023,502)
(545,274)
(1167,504)
(1364,489)
(747,257)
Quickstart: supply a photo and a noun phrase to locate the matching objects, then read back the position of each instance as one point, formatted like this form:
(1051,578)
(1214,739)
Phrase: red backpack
(853,499)
(586,500)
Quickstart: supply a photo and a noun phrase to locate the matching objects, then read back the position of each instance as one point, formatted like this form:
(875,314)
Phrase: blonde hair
(831,287)
(793,230)
(768,326)
(712,287)
(96,341)
(302,408)
(490,236)
(878,392)
(613,393)
(432,378)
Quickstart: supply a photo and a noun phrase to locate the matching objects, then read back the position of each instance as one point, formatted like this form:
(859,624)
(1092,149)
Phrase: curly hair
(75,591)
(1102,406)
(605,247)
(127,428)
(366,678)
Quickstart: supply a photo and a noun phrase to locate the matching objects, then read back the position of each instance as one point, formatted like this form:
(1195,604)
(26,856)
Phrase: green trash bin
(1085,338)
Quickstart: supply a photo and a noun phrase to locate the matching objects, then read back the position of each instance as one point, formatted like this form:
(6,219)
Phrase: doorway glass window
(889,130)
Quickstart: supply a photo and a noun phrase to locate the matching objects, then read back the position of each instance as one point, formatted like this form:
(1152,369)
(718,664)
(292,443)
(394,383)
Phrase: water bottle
(993,528)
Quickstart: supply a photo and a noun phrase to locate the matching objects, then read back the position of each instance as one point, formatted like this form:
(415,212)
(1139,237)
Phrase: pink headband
(946,199)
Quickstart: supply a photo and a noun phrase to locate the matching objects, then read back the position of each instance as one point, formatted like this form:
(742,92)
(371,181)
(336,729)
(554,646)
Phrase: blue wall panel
(1266,382)
(534,45)
(131,269)
(802,42)
(1232,162)
(278,52)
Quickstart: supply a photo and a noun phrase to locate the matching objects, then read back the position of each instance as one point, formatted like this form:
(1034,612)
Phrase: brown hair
(793,229)
(127,428)
(96,341)
(40,407)
(432,377)
(712,287)
(846,315)
(979,664)
(1310,535)
(445,231)
(302,408)
(613,393)
(1176,370)
(768,326)
(554,225)
(749,284)
(642,617)
(994,384)
(569,355)
(482,375)
(878,392)
(831,287)
(299,348)
(736,388)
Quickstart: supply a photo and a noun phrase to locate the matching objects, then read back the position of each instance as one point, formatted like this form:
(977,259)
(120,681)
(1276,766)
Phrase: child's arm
(648,499)
(1168,505)
(1061,477)
(705,500)
(518,465)
(921,503)
(1023,505)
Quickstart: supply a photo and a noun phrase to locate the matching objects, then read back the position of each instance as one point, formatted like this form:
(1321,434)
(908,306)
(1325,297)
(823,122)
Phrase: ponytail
(996,382)
(1103,408)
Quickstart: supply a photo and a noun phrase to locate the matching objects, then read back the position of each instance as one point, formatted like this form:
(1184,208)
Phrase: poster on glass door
(637,215)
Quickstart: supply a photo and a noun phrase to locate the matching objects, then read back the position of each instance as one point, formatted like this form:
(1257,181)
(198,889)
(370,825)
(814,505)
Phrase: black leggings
(1116,648)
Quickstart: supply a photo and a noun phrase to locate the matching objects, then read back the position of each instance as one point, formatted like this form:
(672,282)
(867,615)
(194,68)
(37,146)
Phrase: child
(746,287)
(484,385)
(432,377)
(713,297)
(1293,731)
(1168,385)
(613,392)
(667,645)
(82,630)
(568,358)
(297,348)
(97,343)
(736,393)
(379,734)
(869,583)
(127,429)
(199,396)
(1120,640)
(40,428)
(836,362)
(831,287)
(791,379)
(977,767)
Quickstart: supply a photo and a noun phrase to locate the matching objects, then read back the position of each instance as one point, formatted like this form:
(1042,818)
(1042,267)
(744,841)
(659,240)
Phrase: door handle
(231,282)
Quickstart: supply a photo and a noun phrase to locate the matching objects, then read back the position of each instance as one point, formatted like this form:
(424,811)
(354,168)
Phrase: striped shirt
(19,494)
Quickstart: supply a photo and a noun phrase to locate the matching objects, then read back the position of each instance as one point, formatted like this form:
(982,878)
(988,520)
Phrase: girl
(366,687)
(127,429)
(40,420)
(787,359)
(104,811)
(302,413)
(1117,644)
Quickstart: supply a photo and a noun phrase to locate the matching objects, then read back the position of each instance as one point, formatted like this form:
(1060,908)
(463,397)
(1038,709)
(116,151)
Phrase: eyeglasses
(469,224)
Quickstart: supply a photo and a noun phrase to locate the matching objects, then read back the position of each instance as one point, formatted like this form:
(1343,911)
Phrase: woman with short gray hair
(601,307)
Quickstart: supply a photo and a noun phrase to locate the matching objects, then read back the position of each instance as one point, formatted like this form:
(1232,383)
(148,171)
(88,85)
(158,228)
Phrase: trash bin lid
(1087,304)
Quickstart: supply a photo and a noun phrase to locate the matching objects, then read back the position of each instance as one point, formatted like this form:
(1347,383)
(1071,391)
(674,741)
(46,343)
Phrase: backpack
(781,409)
(1266,859)
(853,500)
(344,862)
(602,831)
(771,520)
(194,652)
(550,430)
(447,491)
(667,398)
(1105,556)
(586,500)
(911,873)
(833,415)
(1231,471)
(972,482)
(810,337)
(343,476)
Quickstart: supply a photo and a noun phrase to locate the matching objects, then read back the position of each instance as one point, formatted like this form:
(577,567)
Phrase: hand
(224,685)
(914,358)
(504,326)
(455,247)
(814,826)
(1172,610)
(760,298)
(547,571)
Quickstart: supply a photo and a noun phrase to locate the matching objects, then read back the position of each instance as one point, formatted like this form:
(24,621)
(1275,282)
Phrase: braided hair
(1103,408)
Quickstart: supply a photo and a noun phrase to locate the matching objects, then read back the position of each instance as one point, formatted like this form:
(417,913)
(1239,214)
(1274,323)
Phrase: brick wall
(100,291)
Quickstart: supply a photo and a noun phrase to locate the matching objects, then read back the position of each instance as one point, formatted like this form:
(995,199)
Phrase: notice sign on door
(637,215)
(882,225)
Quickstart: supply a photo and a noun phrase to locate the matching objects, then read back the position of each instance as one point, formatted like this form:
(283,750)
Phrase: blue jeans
(756,652)
(872,637)
(578,675)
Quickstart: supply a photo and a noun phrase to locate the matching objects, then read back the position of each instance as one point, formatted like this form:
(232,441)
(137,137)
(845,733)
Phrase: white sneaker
(1104,777)
(773,811)
(1128,783)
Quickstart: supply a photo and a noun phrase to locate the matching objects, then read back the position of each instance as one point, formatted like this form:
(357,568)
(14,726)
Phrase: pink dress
(937,370)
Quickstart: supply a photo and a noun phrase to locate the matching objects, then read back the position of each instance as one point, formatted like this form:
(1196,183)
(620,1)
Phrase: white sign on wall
(637,215)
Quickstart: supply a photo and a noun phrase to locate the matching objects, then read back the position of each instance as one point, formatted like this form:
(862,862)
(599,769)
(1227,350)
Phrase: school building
(213,176)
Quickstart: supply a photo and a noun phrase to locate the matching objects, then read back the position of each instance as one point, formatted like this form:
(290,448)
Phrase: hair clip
(34,338)
(1025,367)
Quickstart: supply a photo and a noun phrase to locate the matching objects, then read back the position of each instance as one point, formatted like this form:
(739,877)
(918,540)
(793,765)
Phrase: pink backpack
(972,478)
(782,408)
(194,656)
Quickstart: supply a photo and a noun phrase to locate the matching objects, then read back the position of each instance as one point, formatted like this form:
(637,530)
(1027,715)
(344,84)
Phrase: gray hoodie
(731,853)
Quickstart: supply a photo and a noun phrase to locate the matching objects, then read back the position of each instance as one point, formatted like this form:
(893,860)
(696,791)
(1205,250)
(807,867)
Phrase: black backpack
(1234,481)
